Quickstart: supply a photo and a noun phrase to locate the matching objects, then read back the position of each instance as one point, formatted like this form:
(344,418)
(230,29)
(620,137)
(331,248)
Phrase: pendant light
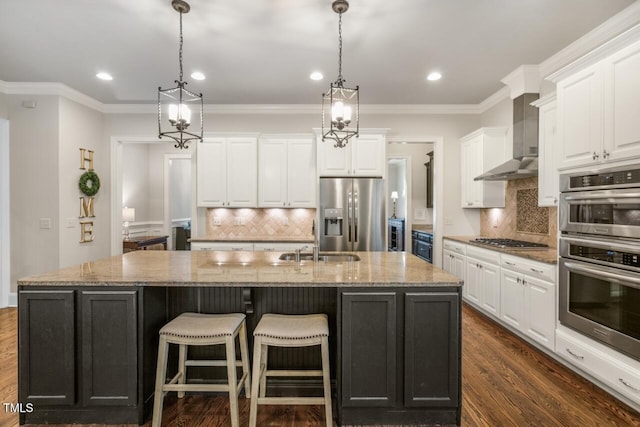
(183,108)
(340,106)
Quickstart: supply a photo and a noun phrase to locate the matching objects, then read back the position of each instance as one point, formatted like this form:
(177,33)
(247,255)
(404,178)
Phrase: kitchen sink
(322,256)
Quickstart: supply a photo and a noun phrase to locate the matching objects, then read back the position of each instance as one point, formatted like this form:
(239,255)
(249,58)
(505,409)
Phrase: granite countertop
(218,268)
(549,256)
(259,238)
(428,228)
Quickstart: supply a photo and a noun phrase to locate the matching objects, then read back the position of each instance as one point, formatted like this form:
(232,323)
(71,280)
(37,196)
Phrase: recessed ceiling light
(197,75)
(433,76)
(316,75)
(104,76)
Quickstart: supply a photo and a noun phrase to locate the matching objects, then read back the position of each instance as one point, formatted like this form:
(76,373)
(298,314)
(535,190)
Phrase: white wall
(4,109)
(135,179)
(180,189)
(81,127)
(34,185)
(418,154)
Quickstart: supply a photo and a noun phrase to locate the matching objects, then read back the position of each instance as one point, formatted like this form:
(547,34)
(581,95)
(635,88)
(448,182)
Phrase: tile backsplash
(239,223)
(521,218)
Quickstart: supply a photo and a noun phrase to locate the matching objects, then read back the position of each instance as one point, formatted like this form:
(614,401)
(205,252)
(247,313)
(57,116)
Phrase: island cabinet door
(431,358)
(46,347)
(109,348)
(368,349)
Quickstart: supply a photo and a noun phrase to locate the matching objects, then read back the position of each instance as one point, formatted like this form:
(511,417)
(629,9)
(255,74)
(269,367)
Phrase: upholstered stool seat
(203,329)
(280,330)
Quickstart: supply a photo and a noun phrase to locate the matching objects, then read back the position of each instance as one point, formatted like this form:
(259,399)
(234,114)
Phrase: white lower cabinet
(250,246)
(619,372)
(221,246)
(281,247)
(528,298)
(482,279)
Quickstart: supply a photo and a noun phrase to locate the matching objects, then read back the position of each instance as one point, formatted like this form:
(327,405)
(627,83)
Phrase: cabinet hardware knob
(577,356)
(555,200)
(536,270)
(595,155)
(518,280)
(626,384)
(509,263)
(605,154)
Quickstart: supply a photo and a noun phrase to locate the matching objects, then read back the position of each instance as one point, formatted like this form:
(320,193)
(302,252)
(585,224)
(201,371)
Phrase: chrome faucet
(298,254)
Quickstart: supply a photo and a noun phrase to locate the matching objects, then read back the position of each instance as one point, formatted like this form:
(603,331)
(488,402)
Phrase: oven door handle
(613,277)
(631,197)
(601,244)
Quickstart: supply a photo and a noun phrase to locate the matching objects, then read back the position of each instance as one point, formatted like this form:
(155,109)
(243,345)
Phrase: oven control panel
(605,179)
(609,256)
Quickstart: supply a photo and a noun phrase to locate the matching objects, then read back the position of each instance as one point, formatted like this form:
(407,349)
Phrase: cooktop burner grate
(510,243)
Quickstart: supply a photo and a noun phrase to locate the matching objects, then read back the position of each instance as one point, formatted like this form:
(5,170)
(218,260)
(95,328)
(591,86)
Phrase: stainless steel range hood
(525,143)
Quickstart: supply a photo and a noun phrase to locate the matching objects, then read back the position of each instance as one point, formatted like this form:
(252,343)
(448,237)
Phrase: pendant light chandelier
(340,106)
(180,105)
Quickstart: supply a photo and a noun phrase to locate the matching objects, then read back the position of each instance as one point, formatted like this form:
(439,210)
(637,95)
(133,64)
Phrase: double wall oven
(600,256)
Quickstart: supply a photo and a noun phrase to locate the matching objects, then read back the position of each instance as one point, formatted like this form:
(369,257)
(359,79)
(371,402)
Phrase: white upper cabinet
(580,118)
(622,104)
(287,173)
(548,177)
(481,151)
(598,111)
(362,156)
(227,170)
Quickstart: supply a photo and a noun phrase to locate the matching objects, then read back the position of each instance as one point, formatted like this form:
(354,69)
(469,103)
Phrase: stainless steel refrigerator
(351,214)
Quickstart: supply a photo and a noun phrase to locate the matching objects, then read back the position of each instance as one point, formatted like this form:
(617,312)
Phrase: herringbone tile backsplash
(521,218)
(240,223)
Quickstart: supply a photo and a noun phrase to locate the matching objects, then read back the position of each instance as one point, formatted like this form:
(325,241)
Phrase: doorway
(177,199)
(407,176)
(140,181)
(5,235)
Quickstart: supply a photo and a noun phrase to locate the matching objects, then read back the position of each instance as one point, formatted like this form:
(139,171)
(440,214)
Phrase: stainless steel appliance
(605,203)
(599,282)
(423,246)
(510,244)
(351,214)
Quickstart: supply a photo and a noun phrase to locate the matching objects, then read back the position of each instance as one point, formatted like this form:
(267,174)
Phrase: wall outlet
(44,223)
(285,221)
(217,220)
(238,220)
(71,222)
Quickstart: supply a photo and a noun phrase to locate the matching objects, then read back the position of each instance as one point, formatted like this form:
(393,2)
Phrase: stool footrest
(288,373)
(210,363)
(195,387)
(290,400)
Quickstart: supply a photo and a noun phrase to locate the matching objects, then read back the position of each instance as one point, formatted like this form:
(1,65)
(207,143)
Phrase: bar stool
(203,329)
(289,331)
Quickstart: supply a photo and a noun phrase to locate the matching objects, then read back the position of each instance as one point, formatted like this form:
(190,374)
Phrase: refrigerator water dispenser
(333,222)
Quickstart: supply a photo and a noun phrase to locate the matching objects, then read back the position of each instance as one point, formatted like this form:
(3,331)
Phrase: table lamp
(394,197)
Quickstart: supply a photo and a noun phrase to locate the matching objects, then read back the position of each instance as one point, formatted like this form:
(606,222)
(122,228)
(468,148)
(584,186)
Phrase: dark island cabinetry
(80,354)
(400,356)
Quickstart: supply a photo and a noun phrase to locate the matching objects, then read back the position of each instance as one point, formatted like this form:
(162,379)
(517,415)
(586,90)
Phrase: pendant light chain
(340,80)
(180,50)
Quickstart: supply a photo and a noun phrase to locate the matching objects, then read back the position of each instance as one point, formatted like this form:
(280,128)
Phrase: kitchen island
(88,334)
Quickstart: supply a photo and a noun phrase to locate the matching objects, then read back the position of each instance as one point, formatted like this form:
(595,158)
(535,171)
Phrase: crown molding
(56,89)
(493,100)
(611,32)
(547,99)
(524,79)
(59,89)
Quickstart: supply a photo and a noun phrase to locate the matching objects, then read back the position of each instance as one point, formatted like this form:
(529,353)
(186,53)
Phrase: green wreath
(89,183)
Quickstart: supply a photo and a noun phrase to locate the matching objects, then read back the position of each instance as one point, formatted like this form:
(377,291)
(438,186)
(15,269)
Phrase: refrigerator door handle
(355,217)
(349,203)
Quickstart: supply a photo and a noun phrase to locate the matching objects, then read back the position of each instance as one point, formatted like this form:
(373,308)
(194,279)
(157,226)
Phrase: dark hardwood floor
(506,382)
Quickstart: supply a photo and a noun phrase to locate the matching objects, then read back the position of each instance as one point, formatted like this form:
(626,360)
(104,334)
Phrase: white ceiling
(262,51)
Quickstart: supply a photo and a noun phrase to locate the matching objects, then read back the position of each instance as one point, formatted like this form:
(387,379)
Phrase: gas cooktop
(511,244)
